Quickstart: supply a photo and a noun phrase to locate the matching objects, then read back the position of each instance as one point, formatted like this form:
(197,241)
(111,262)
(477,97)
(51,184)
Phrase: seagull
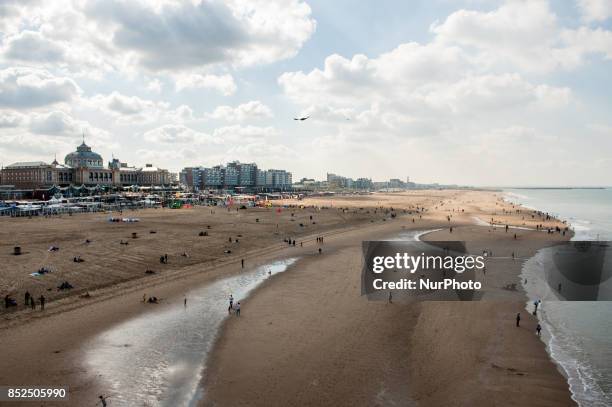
(301,118)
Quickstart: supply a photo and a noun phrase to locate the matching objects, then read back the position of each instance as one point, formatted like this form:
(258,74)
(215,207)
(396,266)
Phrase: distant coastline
(556,188)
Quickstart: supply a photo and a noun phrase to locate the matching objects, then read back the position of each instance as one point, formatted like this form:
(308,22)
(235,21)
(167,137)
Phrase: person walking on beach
(103,401)
(185,302)
(238,309)
(535,304)
(538,329)
(42,302)
(518,319)
(27,298)
(242,263)
(390,297)
(231,304)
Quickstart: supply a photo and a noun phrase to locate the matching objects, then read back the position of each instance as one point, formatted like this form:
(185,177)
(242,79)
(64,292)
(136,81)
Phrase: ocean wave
(564,342)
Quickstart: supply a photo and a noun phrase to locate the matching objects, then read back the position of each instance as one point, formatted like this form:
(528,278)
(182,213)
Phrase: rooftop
(28,164)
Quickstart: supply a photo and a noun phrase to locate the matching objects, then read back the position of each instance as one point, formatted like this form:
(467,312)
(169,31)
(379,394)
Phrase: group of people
(65,286)
(151,300)
(518,321)
(163,259)
(233,307)
(29,300)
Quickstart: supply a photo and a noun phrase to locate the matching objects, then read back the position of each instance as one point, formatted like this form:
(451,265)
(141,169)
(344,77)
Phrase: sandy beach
(305,337)
(310,339)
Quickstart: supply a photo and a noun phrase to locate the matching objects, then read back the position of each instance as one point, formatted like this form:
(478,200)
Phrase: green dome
(84,157)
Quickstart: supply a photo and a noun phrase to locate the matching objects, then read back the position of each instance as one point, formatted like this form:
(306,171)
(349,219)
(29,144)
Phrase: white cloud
(37,135)
(91,38)
(27,46)
(181,114)
(155,86)
(524,34)
(134,110)
(246,111)
(10,119)
(584,41)
(242,134)
(178,133)
(494,93)
(367,82)
(31,88)
(257,150)
(224,84)
(595,10)
(129,109)
(56,123)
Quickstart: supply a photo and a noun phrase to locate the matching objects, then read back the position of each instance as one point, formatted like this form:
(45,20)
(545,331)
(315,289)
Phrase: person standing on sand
(42,302)
(27,298)
(238,309)
(242,263)
(538,329)
(390,298)
(231,304)
(102,401)
(185,302)
(518,319)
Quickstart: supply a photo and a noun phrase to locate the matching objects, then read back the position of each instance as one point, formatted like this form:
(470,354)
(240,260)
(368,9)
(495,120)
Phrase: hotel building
(81,167)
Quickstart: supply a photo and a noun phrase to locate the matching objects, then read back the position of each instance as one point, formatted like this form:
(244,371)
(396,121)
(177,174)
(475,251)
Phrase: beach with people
(305,336)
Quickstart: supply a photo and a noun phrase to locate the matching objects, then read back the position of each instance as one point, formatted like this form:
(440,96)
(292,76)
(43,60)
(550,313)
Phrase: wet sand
(48,347)
(309,339)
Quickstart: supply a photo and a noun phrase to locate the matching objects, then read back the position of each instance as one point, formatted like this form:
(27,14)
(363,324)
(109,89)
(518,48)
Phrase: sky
(474,92)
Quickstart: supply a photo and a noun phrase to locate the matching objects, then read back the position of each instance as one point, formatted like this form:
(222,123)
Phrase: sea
(578,335)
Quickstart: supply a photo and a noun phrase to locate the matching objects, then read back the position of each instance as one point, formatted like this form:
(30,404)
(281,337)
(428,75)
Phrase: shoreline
(579,370)
(582,228)
(225,386)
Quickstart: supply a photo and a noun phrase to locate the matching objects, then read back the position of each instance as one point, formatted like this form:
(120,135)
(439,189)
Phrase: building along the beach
(235,174)
(81,167)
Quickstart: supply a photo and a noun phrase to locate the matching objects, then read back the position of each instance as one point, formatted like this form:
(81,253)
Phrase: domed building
(83,167)
(84,157)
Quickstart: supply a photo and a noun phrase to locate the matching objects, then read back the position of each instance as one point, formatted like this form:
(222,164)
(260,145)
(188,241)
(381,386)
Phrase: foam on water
(156,359)
(578,335)
(587,211)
